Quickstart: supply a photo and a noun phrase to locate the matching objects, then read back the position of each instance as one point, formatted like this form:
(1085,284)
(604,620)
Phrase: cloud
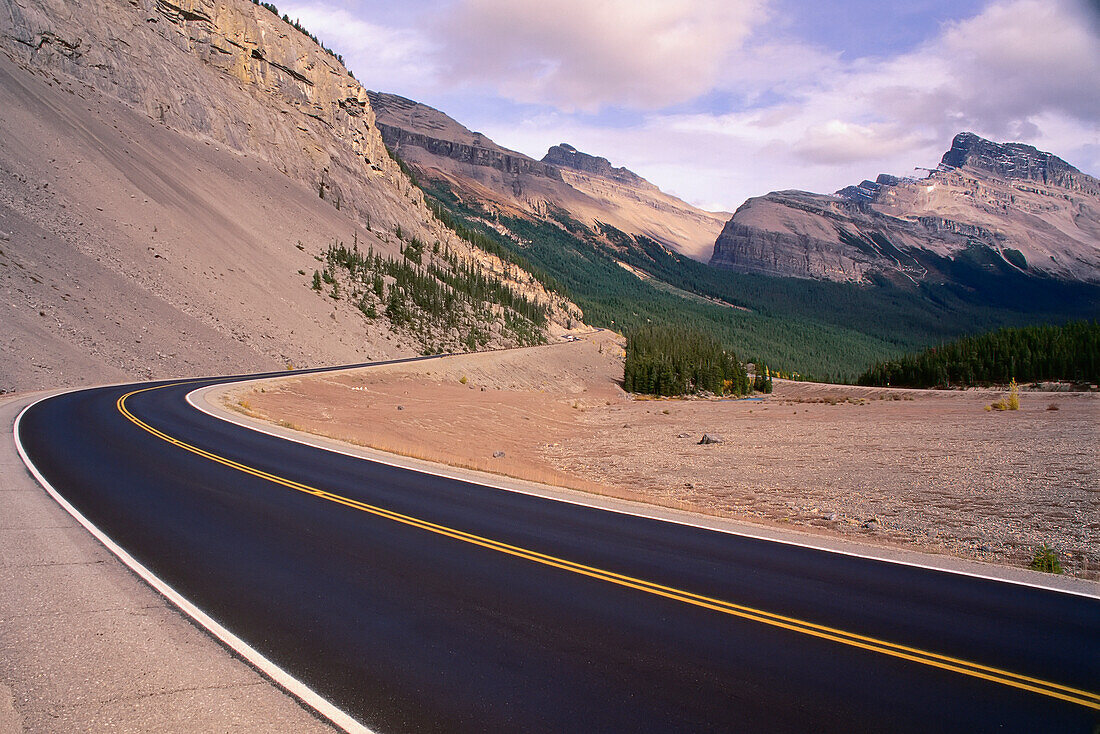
(837,141)
(381,56)
(584,55)
(1021,70)
(1018,58)
(720,101)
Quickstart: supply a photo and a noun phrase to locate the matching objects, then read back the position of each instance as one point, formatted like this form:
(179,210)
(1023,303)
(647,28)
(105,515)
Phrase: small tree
(1046,559)
(762,382)
(1013,396)
(1010,401)
(316,280)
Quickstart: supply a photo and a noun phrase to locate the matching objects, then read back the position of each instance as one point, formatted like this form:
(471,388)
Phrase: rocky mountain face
(1000,206)
(406,124)
(176,169)
(1016,162)
(586,187)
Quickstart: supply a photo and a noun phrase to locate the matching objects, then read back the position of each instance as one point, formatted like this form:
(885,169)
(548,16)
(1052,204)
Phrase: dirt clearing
(930,470)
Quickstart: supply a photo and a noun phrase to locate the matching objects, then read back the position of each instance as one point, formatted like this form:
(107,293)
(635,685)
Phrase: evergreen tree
(675,361)
(1028,354)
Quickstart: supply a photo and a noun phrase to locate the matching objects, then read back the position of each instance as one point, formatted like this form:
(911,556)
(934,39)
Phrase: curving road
(419,603)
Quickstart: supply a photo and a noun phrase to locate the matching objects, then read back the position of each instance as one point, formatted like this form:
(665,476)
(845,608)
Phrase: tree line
(1069,352)
(803,329)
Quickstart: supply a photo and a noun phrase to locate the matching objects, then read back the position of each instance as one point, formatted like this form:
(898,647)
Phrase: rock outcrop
(1016,162)
(420,126)
(566,156)
(1010,206)
(278,95)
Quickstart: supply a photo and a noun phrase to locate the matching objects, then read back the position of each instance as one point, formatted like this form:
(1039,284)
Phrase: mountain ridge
(999,202)
(588,188)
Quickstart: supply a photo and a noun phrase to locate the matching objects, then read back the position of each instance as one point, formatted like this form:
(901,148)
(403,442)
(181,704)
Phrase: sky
(719,100)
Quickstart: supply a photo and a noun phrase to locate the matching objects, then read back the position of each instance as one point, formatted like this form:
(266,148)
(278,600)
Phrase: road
(420,603)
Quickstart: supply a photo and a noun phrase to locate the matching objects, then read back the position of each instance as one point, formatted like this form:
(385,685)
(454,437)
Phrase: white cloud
(584,55)
(1022,70)
(802,116)
(380,56)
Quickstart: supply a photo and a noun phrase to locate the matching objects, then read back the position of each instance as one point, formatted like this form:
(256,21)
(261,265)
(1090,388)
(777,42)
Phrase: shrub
(1046,559)
(1010,401)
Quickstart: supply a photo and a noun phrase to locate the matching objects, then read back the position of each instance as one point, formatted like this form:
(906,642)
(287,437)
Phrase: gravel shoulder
(930,471)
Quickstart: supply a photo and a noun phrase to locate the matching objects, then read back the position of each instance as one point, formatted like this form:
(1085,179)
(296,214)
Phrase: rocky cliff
(586,187)
(1005,205)
(177,167)
(419,126)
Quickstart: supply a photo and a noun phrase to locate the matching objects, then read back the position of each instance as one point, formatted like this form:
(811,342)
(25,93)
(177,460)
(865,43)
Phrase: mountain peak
(1015,161)
(565,155)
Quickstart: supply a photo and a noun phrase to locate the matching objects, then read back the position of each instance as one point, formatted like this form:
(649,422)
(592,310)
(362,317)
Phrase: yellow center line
(945,662)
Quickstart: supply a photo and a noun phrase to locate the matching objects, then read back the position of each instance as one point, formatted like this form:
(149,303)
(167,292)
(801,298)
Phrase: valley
(325,411)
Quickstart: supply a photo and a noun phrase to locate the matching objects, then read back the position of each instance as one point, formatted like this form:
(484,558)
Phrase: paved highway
(420,603)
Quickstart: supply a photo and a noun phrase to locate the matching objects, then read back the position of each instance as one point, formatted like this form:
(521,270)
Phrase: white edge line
(271,670)
(229,418)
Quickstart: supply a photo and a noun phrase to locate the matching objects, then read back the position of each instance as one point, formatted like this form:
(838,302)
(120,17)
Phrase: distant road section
(415,602)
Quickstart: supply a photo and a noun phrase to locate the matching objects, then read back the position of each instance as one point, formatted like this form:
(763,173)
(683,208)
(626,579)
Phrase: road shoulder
(86,645)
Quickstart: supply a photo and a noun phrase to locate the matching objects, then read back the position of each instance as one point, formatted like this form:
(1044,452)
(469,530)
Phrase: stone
(709,438)
(498,454)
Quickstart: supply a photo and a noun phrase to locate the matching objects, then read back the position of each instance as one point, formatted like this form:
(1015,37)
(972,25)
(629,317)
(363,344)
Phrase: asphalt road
(421,603)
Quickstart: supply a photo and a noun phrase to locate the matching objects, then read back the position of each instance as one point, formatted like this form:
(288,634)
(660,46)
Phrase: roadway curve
(420,603)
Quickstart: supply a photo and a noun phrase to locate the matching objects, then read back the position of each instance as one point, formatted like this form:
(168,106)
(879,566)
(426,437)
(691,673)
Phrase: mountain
(988,206)
(172,175)
(585,187)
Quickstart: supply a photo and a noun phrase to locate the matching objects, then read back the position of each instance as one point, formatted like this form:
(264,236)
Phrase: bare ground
(930,470)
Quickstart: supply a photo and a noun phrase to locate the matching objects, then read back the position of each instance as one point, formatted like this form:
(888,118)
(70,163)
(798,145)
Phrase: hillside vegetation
(1031,354)
(448,304)
(810,329)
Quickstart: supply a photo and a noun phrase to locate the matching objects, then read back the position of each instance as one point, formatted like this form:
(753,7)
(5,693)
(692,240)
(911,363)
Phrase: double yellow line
(945,662)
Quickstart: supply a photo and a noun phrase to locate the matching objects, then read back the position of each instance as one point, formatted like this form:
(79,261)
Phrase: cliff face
(419,126)
(1022,209)
(279,96)
(586,187)
(173,169)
